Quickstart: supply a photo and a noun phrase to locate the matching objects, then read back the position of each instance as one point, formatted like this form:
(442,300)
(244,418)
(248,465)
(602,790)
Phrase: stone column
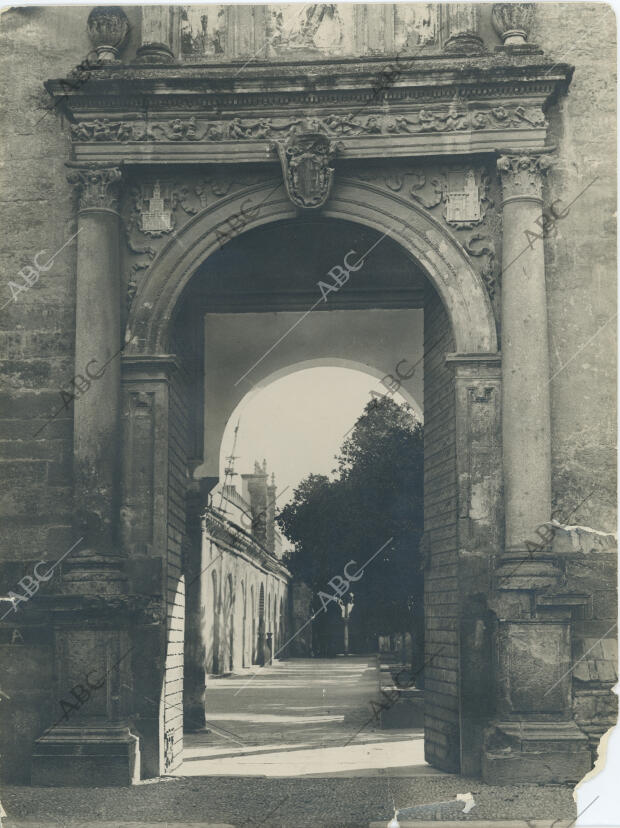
(90,740)
(526,421)
(158,34)
(95,567)
(533,737)
(461,27)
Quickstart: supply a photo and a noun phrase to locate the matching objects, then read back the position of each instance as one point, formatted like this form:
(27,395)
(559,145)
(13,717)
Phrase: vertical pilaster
(477,388)
(146,537)
(246,31)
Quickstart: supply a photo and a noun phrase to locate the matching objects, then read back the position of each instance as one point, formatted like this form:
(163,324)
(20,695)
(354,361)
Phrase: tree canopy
(376,494)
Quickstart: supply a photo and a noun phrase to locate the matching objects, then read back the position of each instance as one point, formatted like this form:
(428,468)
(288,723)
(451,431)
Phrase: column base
(86,756)
(467,43)
(535,752)
(154,53)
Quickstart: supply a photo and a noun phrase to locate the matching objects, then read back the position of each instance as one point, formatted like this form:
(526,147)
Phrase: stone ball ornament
(107,27)
(512,22)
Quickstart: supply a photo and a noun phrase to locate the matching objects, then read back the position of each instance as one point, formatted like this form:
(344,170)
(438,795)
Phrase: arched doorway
(461,377)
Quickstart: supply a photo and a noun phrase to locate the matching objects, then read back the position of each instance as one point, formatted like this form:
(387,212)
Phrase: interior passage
(301,717)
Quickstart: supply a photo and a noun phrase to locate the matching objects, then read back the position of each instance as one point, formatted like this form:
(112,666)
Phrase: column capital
(97,186)
(522,174)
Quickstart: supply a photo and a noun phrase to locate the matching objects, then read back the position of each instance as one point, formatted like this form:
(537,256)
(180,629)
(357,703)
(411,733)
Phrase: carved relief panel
(464,196)
(156,206)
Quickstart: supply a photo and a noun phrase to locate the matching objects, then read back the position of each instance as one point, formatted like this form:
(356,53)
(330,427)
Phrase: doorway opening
(268,272)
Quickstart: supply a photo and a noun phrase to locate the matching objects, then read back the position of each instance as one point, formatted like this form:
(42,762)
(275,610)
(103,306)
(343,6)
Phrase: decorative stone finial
(512,22)
(97,186)
(107,28)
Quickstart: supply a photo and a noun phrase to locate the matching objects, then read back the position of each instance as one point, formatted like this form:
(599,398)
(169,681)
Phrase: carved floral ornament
(452,118)
(98,187)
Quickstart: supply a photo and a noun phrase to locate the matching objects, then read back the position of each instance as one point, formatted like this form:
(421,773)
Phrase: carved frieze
(451,118)
(97,186)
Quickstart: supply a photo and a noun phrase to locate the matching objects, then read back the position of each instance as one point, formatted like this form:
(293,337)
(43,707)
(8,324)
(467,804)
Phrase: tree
(377,494)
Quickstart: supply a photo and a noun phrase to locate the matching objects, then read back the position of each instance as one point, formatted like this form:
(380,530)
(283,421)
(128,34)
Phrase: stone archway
(423,237)
(464,535)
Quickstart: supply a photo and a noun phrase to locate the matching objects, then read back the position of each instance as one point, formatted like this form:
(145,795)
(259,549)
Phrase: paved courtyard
(290,746)
(303,717)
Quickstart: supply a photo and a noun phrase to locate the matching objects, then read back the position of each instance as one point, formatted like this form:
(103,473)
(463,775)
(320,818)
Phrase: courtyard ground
(301,717)
(295,746)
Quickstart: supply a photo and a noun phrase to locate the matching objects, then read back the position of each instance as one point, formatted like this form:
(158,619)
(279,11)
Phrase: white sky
(297,423)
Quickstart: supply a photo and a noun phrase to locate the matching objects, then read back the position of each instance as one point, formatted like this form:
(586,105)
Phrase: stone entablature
(192,114)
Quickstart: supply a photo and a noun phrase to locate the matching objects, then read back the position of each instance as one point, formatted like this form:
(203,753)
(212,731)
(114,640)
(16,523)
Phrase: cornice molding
(219,114)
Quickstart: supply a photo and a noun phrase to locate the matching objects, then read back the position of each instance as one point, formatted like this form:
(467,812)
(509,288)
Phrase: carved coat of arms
(308,176)
(155,214)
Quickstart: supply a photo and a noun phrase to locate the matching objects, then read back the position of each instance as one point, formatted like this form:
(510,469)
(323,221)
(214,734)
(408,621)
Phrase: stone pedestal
(91,756)
(90,741)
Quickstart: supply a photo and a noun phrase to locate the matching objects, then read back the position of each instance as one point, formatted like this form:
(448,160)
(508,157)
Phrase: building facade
(447,161)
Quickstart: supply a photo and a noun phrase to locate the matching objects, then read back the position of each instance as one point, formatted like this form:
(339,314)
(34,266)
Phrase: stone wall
(232,564)
(179,442)
(580,258)
(441,597)
(36,353)
(591,561)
